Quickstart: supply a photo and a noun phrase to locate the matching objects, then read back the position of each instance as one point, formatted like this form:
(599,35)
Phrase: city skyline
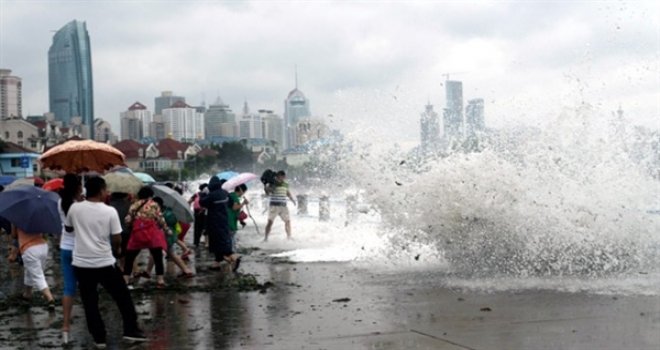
(576,53)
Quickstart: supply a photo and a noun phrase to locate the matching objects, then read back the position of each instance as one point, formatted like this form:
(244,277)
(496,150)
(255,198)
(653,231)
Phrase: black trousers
(111,279)
(156,253)
(200,226)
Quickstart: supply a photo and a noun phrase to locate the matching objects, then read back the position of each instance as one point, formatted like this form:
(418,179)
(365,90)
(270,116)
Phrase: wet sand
(339,306)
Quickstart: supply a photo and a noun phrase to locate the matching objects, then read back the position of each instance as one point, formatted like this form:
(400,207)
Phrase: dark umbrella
(6,179)
(31,209)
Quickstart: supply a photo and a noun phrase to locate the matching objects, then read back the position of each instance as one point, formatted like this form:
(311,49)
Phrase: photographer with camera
(278,189)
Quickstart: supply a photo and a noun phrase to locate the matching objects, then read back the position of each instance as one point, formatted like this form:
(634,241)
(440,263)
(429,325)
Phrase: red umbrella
(77,156)
(54,185)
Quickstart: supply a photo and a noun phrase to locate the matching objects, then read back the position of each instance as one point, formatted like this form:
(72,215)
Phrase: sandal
(160,285)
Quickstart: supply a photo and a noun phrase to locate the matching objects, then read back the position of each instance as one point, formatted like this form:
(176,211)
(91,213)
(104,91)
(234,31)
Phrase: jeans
(112,280)
(66,258)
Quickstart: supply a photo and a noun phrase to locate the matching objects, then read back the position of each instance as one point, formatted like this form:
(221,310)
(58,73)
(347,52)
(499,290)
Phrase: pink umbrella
(239,179)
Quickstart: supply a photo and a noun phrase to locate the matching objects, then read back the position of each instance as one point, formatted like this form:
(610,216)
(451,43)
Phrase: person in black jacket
(217,224)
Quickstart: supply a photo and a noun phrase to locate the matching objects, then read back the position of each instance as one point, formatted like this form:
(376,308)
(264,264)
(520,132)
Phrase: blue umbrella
(226,175)
(31,209)
(6,179)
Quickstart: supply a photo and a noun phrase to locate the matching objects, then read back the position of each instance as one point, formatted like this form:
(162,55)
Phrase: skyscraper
(430,127)
(220,121)
(166,100)
(296,107)
(453,113)
(185,123)
(474,116)
(135,123)
(70,75)
(10,95)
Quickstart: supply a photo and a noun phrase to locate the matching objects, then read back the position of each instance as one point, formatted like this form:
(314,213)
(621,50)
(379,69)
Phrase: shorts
(34,262)
(70,282)
(278,210)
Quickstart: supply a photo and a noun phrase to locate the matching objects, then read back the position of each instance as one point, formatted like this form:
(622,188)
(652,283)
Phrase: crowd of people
(103,233)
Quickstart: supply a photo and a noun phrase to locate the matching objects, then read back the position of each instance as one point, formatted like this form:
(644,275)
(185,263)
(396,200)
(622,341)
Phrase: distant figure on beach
(279,192)
(97,231)
(217,225)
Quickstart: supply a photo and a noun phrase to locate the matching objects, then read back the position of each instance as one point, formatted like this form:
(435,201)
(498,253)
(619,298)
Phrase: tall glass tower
(453,114)
(70,75)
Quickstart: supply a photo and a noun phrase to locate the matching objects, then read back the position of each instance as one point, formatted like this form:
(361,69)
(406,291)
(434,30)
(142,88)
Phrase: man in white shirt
(97,231)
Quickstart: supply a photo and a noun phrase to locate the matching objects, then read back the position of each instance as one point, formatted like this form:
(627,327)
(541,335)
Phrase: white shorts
(278,210)
(34,262)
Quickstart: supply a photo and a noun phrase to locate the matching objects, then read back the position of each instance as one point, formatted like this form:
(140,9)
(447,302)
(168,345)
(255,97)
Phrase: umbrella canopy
(240,179)
(145,178)
(77,156)
(175,201)
(6,180)
(31,209)
(54,185)
(226,175)
(122,182)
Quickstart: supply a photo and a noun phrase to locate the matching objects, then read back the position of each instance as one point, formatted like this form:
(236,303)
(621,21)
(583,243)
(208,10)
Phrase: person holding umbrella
(147,230)
(234,210)
(32,213)
(217,225)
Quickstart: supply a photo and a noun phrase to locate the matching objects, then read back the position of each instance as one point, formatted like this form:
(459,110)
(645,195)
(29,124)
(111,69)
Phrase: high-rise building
(251,127)
(185,123)
(103,131)
(70,85)
(159,129)
(453,114)
(474,116)
(135,123)
(296,107)
(220,121)
(166,100)
(272,126)
(311,129)
(10,95)
(430,127)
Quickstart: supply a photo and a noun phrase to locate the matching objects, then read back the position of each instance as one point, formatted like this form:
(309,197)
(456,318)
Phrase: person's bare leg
(27,293)
(287,228)
(269,225)
(67,308)
(177,260)
(47,294)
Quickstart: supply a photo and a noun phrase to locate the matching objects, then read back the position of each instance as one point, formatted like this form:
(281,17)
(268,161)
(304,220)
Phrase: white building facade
(185,123)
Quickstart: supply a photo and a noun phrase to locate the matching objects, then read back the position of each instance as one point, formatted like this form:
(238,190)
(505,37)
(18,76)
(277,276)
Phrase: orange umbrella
(77,156)
(54,185)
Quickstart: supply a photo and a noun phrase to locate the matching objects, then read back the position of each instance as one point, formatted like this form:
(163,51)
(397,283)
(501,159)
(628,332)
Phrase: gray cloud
(246,50)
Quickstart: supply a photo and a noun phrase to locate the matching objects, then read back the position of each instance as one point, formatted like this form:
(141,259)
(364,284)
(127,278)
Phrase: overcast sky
(371,64)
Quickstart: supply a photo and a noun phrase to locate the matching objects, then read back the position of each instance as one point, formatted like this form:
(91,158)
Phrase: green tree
(234,155)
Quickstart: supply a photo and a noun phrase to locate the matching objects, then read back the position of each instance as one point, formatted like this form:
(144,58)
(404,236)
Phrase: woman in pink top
(34,251)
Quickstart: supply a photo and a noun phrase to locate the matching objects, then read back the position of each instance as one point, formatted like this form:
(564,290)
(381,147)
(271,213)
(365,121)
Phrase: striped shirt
(279,195)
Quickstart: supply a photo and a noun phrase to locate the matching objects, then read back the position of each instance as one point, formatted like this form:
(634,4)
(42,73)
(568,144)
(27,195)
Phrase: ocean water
(570,207)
